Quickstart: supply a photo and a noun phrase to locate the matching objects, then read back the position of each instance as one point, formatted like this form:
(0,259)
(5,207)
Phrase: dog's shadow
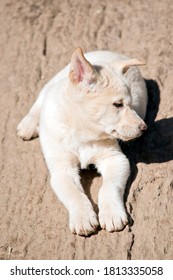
(87,177)
(155,146)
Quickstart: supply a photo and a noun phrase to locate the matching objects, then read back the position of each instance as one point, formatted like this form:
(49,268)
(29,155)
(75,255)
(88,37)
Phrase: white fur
(79,125)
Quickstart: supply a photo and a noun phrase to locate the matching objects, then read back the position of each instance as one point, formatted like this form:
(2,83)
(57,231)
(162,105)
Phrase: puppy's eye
(118,105)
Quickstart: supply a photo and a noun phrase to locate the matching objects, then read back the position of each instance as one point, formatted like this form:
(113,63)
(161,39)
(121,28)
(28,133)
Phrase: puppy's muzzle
(143,127)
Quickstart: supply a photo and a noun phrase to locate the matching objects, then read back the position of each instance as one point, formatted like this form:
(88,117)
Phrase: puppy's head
(105,96)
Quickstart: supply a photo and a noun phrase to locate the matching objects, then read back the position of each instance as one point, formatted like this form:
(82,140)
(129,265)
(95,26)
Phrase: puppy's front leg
(115,171)
(65,182)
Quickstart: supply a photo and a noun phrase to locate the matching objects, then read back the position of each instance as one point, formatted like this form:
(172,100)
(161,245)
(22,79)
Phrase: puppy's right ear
(124,65)
(81,69)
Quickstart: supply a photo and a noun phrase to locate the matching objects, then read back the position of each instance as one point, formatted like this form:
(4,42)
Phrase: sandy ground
(36,41)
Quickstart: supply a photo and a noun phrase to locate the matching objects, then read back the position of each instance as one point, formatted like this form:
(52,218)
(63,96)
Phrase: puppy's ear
(81,69)
(124,65)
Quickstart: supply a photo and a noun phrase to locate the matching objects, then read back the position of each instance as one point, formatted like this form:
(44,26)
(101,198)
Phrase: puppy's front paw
(112,215)
(83,221)
(27,128)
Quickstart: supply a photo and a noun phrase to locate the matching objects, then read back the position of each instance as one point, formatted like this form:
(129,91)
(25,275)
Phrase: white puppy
(79,115)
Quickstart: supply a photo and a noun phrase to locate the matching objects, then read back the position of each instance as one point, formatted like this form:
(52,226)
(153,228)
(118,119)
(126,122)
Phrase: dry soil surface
(37,38)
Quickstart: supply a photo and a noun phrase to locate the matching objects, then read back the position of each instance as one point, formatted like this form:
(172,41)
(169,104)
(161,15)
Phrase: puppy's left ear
(81,69)
(124,65)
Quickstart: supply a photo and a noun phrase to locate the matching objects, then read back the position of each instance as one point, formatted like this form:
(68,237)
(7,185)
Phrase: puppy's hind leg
(28,128)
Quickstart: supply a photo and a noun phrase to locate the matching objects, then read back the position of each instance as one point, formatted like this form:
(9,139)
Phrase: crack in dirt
(45,46)
(129,251)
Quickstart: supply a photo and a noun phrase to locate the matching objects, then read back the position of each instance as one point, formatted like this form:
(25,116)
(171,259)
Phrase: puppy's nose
(143,127)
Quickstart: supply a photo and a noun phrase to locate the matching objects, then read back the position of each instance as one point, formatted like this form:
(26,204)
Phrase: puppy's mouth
(126,138)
